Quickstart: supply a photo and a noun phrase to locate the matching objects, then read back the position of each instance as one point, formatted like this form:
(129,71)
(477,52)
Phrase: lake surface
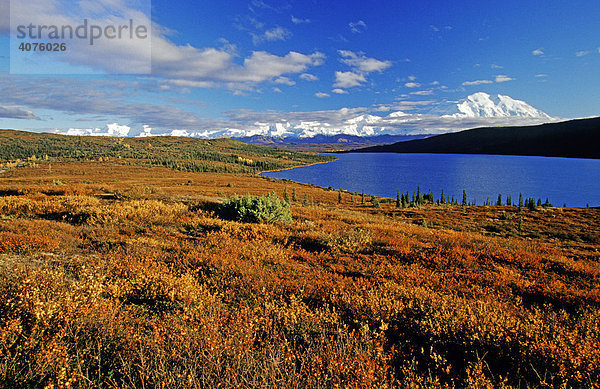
(570,181)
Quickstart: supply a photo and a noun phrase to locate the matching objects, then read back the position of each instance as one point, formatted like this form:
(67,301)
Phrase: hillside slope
(179,153)
(573,139)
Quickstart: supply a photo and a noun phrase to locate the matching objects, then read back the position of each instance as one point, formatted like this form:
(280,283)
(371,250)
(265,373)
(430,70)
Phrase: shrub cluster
(253,209)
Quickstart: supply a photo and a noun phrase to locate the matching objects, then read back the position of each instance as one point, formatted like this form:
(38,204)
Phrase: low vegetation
(129,277)
(256,209)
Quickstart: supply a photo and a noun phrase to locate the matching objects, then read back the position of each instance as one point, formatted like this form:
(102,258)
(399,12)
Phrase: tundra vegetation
(117,274)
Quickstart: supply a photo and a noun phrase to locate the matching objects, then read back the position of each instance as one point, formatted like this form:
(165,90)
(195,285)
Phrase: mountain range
(477,110)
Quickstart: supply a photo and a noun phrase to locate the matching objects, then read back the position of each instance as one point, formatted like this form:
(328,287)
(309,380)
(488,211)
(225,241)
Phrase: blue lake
(574,182)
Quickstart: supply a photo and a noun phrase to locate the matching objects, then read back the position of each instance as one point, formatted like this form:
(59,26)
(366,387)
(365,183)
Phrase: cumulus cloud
(196,67)
(322,95)
(339,91)
(476,82)
(285,81)
(503,78)
(538,52)
(363,64)
(358,27)
(212,67)
(582,53)
(412,85)
(308,77)
(348,79)
(274,34)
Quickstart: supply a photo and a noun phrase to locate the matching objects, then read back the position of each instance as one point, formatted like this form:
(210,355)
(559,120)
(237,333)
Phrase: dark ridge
(572,139)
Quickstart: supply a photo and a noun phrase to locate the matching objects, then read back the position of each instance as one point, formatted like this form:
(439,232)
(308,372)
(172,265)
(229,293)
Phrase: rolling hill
(573,139)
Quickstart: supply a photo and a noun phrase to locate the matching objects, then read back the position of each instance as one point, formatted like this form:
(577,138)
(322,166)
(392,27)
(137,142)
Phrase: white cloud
(299,21)
(538,52)
(308,77)
(182,65)
(14,112)
(412,85)
(361,63)
(277,90)
(422,92)
(272,35)
(358,27)
(412,78)
(541,75)
(503,78)
(322,95)
(339,91)
(348,79)
(582,53)
(494,66)
(285,81)
(477,82)
(435,83)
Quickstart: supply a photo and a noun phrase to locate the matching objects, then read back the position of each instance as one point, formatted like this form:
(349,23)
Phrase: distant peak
(481,104)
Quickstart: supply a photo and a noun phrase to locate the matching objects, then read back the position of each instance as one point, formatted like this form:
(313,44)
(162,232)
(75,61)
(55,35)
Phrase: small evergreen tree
(362,198)
(286,196)
(499,201)
(464,199)
(520,200)
(294,198)
(340,196)
(443,198)
(398,200)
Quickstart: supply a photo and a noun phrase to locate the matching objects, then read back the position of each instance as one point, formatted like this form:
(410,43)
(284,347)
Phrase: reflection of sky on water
(575,182)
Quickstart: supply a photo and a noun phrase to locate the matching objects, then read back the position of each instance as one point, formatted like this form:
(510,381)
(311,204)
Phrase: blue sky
(236,63)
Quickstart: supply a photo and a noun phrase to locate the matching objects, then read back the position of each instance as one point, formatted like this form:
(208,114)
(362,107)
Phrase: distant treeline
(186,154)
(419,198)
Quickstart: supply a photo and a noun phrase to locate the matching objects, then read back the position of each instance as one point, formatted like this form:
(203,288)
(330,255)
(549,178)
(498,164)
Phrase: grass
(127,276)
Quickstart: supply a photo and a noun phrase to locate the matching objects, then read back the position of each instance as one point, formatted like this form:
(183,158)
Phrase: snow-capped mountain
(481,104)
(477,110)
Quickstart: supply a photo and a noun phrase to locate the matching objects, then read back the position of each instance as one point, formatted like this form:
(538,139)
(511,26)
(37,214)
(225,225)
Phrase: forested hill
(179,153)
(574,139)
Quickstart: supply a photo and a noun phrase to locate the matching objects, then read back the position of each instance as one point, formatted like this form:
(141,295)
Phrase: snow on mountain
(481,104)
(477,110)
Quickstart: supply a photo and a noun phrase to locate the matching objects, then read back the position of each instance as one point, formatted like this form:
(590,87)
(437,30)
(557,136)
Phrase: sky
(244,66)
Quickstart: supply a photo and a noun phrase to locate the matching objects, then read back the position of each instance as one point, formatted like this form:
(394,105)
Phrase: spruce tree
(340,196)
(520,200)
(398,201)
(499,201)
(464,199)
(362,197)
(294,198)
(286,196)
(443,198)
